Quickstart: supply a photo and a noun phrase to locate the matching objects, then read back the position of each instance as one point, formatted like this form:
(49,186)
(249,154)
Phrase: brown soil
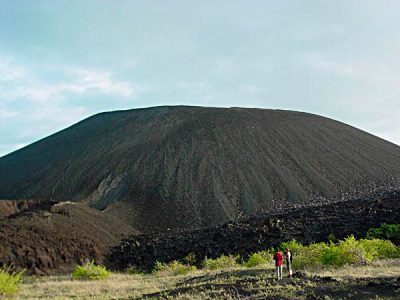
(190,167)
(56,237)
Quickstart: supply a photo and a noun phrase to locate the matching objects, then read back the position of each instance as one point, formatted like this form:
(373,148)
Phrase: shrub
(305,256)
(190,259)
(258,259)
(347,251)
(90,271)
(9,282)
(173,268)
(293,245)
(312,254)
(222,262)
(378,249)
(385,231)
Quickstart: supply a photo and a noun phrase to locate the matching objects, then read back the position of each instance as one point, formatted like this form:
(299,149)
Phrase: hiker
(278,257)
(289,259)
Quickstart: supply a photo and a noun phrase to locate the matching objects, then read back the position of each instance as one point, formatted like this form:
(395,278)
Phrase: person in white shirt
(289,258)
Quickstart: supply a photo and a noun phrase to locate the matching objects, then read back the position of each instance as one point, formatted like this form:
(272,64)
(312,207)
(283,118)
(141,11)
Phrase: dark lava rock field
(308,224)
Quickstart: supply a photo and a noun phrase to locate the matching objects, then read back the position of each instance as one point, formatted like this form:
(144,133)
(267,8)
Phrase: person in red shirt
(278,258)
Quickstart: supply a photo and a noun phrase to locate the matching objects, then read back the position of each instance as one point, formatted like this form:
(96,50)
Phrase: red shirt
(278,257)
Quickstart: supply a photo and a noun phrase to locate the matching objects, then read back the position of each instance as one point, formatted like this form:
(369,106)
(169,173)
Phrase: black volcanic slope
(174,167)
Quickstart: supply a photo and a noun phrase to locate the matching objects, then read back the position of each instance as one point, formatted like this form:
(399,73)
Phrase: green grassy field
(376,280)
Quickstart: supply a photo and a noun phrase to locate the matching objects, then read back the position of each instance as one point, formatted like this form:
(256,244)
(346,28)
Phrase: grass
(379,268)
(224,277)
(210,284)
(115,286)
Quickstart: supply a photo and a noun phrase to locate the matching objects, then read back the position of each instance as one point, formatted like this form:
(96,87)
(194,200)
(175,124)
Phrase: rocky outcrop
(310,224)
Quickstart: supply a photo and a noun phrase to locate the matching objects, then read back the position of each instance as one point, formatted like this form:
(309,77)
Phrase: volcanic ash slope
(181,167)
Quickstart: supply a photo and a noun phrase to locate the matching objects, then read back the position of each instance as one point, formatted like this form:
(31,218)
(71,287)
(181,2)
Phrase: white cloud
(101,81)
(7,113)
(73,81)
(37,101)
(10,71)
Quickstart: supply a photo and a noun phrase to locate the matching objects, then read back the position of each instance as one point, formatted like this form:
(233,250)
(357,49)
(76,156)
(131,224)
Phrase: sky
(62,61)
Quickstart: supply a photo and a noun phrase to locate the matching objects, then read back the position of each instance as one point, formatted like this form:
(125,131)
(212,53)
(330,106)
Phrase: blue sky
(61,61)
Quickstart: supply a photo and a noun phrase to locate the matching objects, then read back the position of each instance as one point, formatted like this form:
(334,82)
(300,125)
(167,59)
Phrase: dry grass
(379,268)
(138,285)
(116,286)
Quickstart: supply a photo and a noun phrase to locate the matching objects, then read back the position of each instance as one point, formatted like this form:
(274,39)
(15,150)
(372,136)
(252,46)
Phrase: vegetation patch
(347,251)
(260,258)
(222,262)
(9,282)
(385,231)
(173,268)
(90,271)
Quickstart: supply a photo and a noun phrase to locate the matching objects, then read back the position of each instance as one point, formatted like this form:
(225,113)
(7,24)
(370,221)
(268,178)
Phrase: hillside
(55,237)
(181,167)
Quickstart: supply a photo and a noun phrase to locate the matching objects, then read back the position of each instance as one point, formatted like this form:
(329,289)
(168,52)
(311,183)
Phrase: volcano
(186,167)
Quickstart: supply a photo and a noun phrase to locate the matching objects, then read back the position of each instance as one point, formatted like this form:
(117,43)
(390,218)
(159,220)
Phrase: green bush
(385,231)
(305,256)
(173,268)
(347,251)
(379,249)
(258,259)
(90,271)
(222,262)
(9,282)
(293,245)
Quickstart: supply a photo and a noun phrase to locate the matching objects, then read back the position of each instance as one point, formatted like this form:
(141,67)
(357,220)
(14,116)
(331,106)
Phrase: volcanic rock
(189,167)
